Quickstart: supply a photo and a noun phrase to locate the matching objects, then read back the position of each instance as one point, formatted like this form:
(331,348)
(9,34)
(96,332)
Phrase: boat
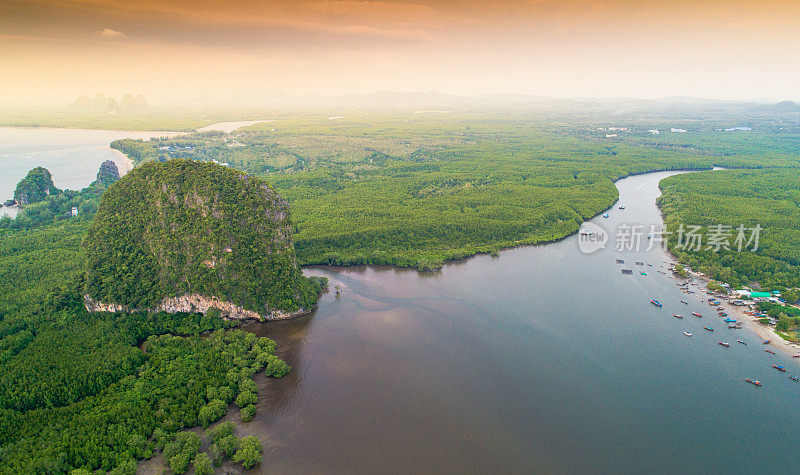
(709,329)
(793,378)
(740,341)
(677,316)
(605,215)
(696,314)
(684,302)
(627,271)
(724,343)
(769,351)
(766,342)
(621,206)
(753,381)
(656,303)
(779,368)
(729,320)
(620,261)
(796,356)
(687,333)
(643,273)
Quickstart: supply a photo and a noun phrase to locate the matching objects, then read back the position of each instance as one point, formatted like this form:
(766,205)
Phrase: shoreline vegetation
(69,375)
(767,198)
(405,190)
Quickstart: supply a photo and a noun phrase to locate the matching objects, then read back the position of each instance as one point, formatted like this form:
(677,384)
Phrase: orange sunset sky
(52,51)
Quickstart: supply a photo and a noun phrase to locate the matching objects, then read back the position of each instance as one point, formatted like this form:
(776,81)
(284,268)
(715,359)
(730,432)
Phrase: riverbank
(750,323)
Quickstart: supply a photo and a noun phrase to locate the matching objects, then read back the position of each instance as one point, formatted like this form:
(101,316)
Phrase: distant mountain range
(99,102)
(434,101)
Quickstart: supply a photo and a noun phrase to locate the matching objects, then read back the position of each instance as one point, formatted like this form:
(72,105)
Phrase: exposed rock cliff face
(107,175)
(195,303)
(185,236)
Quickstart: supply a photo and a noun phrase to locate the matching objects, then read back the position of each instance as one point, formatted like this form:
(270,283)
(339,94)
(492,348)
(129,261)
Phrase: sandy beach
(749,322)
(124,164)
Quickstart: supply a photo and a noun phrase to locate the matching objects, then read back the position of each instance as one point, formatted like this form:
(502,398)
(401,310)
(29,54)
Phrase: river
(541,359)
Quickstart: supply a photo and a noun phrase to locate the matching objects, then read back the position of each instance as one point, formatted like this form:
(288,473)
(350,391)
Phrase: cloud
(109,33)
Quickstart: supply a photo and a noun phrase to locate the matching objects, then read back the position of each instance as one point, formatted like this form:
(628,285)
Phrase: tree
(181,451)
(228,445)
(219,431)
(790,296)
(212,412)
(245,398)
(249,452)
(203,465)
(248,412)
(277,368)
(783,323)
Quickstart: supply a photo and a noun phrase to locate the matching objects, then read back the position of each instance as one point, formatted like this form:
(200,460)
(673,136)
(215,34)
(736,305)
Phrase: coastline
(749,322)
(124,164)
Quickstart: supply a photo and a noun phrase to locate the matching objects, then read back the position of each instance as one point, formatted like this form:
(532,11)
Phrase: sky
(171,50)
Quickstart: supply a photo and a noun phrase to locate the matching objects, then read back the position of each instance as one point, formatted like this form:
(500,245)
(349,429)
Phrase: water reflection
(290,335)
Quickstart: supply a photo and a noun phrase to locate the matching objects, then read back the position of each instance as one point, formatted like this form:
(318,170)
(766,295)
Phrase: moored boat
(779,368)
(753,381)
(793,378)
(696,314)
(684,302)
(677,316)
(766,342)
(769,351)
(709,329)
(740,341)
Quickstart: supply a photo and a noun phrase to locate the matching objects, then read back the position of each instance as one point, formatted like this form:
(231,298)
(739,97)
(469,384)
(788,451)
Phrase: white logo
(591,238)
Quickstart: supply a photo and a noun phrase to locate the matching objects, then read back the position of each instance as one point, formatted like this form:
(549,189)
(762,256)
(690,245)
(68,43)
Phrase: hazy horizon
(54,51)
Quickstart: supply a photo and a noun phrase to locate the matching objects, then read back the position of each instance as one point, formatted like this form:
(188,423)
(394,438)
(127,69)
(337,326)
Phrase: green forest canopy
(185,227)
(769,198)
(418,190)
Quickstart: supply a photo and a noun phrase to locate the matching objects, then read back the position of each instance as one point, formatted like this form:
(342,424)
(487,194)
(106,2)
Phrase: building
(74,211)
(680,131)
